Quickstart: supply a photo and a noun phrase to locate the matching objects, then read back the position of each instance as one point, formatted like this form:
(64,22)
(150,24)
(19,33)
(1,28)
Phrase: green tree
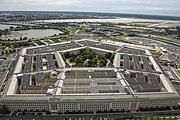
(14,50)
(73,55)
(108,55)
(25,38)
(67,55)
(95,60)
(11,27)
(1,33)
(91,55)
(103,57)
(6,31)
(178,35)
(10,51)
(82,50)
(78,60)
(131,35)
(2,52)
(80,65)
(71,60)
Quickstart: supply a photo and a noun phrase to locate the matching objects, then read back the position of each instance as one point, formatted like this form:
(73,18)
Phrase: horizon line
(160,15)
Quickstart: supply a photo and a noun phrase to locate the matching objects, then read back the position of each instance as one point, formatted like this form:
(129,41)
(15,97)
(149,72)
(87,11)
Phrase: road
(99,116)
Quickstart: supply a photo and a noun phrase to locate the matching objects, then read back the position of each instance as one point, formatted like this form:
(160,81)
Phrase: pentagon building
(43,81)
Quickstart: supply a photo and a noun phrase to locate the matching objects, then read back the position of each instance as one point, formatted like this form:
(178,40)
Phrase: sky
(152,7)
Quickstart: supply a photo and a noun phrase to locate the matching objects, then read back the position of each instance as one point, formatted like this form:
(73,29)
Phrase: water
(3,27)
(31,34)
(119,20)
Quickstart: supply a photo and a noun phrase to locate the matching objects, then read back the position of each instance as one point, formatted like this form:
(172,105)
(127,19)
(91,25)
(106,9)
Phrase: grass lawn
(86,58)
(48,41)
(156,54)
(72,30)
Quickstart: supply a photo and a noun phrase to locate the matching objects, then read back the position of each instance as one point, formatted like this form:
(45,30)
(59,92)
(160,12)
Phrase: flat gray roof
(138,69)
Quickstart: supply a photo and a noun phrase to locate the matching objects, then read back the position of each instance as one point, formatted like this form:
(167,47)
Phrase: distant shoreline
(97,14)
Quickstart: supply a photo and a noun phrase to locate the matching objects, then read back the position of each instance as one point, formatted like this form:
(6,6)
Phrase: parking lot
(40,116)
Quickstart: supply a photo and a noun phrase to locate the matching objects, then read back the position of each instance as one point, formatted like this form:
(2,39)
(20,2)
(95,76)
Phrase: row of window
(158,102)
(25,103)
(90,106)
(115,105)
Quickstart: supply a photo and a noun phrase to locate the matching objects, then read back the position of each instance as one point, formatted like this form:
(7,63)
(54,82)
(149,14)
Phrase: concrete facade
(125,87)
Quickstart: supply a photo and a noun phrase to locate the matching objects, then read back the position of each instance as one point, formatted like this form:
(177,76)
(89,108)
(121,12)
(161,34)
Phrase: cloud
(163,7)
(35,4)
(51,3)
